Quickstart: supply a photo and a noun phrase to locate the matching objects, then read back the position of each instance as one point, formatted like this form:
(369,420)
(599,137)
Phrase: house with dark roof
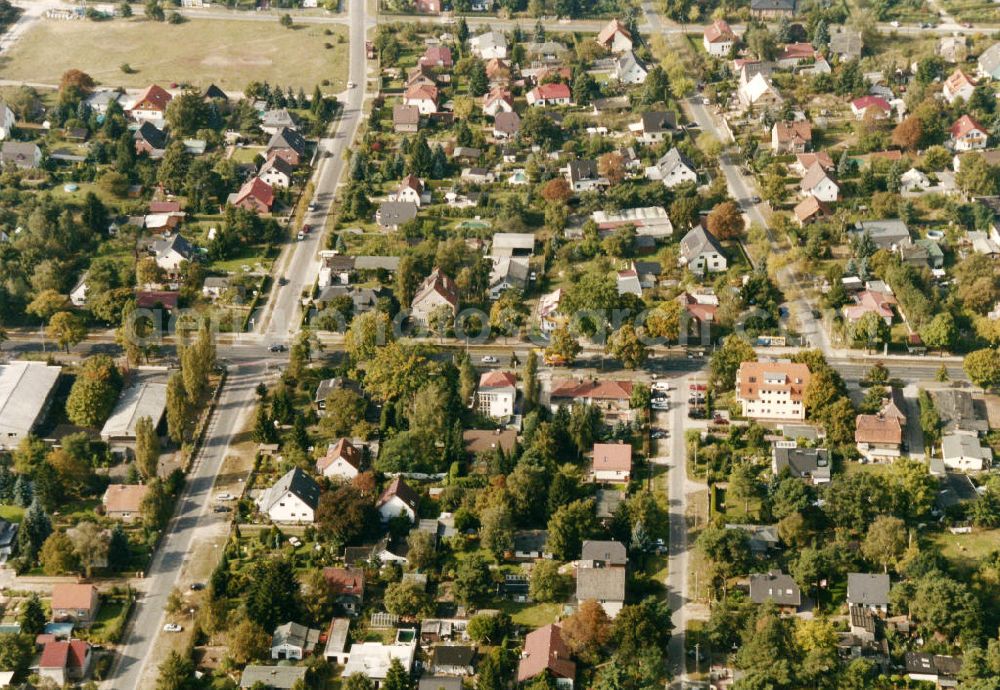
(530,545)
(392,214)
(292,499)
(604,553)
(958,412)
(777,587)
(603,584)
(772,9)
(811,464)
(150,140)
(347,585)
(399,498)
(868,589)
(288,144)
(941,670)
(213,93)
(701,253)
(674,168)
(654,127)
(453,660)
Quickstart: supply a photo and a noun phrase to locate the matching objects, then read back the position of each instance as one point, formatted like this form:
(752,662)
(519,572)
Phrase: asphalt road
(299,263)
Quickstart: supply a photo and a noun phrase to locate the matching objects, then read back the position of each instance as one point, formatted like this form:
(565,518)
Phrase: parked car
(489,359)
(660,405)
(224,496)
(172,627)
(295,541)
(197,586)
(277,347)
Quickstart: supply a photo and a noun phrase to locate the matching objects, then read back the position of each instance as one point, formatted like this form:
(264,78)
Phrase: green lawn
(531,615)
(965,550)
(200,51)
(11,513)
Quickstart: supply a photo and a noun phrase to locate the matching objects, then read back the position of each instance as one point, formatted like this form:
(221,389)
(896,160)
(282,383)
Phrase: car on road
(816,314)
(755,199)
(220,509)
(696,400)
(351,84)
(172,627)
(696,413)
(282,281)
(663,405)
(224,496)
(312,206)
(489,359)
(661,386)
(894,24)
(705,101)
(307,228)
(277,347)
(721,421)
(197,586)
(300,236)
(660,433)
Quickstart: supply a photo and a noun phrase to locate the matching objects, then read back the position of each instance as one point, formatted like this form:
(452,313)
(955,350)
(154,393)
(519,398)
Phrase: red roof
(345,580)
(806,160)
(702,312)
(147,299)
(611,28)
(437,54)
(964,125)
(593,390)
(440,283)
(551,91)
(612,457)
(72,596)
(422,92)
(719,31)
(866,102)
(61,655)
(797,51)
(258,189)
(164,206)
(544,649)
(497,379)
(153,98)
(341,449)
(397,487)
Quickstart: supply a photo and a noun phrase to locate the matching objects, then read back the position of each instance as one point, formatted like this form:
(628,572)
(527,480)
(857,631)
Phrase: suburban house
(392,214)
(437,290)
(811,464)
(428,6)
(777,587)
(914,180)
(20,154)
(508,273)
(347,585)
(26,390)
(373,659)
(675,168)
(506,125)
(150,140)
(602,583)
(939,669)
(328,386)
(405,118)
(150,105)
(878,106)
(810,210)
(870,590)
(952,49)
(961,451)
(276,172)
(489,45)
(886,234)
(612,397)
(654,127)
(551,93)
(75,602)
(846,43)
(612,462)
(758,92)
(869,301)
(958,85)
(255,195)
(879,437)
(398,499)
(968,135)
(411,189)
(496,394)
(762,539)
(275,119)
(989,62)
(583,176)
(65,661)
(423,98)
(718,38)
(549,316)
(772,9)
(292,499)
(701,252)
(437,56)
(614,37)
(957,411)
(791,137)
(293,641)
(288,144)
(124,501)
(272,677)
(629,70)
(804,161)
(478,441)
(649,221)
(920,253)
(772,390)
(453,660)
(545,651)
(497,101)
(144,399)
(342,460)
(818,183)
(529,545)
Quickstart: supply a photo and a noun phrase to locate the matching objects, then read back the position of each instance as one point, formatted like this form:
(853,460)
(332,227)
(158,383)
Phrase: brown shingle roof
(397,487)
(873,428)
(341,449)
(72,596)
(751,379)
(595,390)
(124,498)
(612,457)
(544,649)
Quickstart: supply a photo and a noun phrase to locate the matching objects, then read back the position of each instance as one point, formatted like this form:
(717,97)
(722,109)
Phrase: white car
(894,24)
(295,541)
(351,84)
(489,359)
(172,627)
(224,496)
(661,386)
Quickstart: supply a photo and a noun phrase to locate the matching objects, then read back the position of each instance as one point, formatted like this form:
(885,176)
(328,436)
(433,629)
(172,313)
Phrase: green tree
(726,360)
(940,333)
(496,532)
(94,392)
(119,553)
(16,652)
(57,556)
(397,677)
(885,542)
(358,681)
(406,598)
(147,448)
(870,330)
(248,641)
(569,526)
(626,346)
(32,618)
(176,671)
(36,526)
(563,346)
(67,329)
(273,593)
(472,580)
(178,408)
(983,367)
(367,333)
(546,583)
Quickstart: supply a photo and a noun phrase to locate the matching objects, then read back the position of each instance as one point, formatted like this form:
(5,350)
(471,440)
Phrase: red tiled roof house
(612,462)
(74,602)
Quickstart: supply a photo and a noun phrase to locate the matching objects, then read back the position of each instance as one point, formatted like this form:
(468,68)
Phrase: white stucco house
(293,499)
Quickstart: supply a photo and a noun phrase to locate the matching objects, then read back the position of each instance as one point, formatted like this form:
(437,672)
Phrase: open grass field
(227,53)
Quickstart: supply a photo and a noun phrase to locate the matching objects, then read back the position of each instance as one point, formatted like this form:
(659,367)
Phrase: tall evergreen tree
(35,529)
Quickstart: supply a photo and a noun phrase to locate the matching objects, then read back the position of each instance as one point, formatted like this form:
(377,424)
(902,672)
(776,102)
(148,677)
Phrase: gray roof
(530,540)
(989,60)
(884,233)
(327,386)
(371,263)
(279,677)
(659,121)
(964,445)
(776,586)
(610,552)
(490,39)
(364,299)
(545,48)
(761,537)
(921,663)
(583,169)
(296,635)
(19,153)
(279,117)
(954,488)
(626,61)
(440,683)
(699,241)
(509,270)
(405,114)
(523,241)
(453,655)
(803,462)
(24,391)
(286,138)
(393,213)
(673,159)
(295,482)
(957,410)
(176,242)
(773,5)
(602,584)
(608,501)
(845,41)
(152,135)
(507,122)
(336,639)
(136,402)
(870,589)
